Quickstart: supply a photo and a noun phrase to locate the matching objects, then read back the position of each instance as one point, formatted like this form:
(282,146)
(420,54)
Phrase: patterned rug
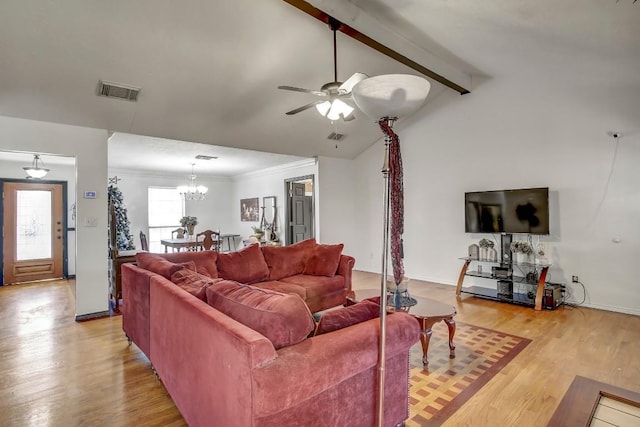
(436,393)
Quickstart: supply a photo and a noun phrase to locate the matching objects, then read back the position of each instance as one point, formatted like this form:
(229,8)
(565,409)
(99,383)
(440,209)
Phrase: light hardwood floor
(57,372)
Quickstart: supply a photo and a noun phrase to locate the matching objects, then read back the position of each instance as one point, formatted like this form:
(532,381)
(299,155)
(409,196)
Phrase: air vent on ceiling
(335,136)
(205,157)
(119,91)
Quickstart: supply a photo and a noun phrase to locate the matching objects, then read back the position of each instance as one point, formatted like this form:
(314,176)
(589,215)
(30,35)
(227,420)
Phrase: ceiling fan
(335,96)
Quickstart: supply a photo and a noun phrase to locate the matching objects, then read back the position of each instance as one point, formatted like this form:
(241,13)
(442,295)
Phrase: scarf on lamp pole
(396,191)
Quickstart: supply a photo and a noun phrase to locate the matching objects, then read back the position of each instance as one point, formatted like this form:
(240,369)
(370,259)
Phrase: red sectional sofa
(248,355)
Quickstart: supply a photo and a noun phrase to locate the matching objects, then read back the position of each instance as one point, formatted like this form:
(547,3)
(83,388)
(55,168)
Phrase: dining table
(179,244)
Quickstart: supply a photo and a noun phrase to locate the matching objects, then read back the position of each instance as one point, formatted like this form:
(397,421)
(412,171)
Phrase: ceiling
(209,70)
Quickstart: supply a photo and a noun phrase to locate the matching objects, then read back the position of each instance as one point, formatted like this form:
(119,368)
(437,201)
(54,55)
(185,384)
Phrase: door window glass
(33,224)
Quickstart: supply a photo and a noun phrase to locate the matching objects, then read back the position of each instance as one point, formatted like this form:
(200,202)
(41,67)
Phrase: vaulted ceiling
(209,70)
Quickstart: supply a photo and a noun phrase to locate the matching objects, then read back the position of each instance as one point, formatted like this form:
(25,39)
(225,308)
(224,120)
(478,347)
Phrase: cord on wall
(616,138)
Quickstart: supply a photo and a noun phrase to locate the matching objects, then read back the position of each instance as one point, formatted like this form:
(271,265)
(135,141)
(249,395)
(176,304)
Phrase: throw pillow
(194,283)
(205,260)
(324,261)
(287,261)
(245,266)
(284,319)
(157,264)
(333,320)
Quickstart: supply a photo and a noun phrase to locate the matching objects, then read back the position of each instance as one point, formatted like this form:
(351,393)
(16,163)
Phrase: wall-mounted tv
(507,211)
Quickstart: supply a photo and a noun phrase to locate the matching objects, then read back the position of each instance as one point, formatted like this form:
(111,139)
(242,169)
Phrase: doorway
(300,210)
(34,235)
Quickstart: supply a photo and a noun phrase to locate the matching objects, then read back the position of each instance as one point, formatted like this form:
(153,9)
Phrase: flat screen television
(507,211)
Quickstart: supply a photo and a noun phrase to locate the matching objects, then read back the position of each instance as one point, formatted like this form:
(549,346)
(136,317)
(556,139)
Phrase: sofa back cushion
(194,283)
(324,260)
(282,318)
(205,260)
(287,261)
(333,320)
(159,265)
(245,266)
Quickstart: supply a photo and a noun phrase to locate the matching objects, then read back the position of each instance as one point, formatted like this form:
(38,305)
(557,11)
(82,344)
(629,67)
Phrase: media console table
(530,290)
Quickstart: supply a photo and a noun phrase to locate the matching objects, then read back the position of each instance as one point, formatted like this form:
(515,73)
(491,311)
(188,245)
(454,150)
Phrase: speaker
(552,297)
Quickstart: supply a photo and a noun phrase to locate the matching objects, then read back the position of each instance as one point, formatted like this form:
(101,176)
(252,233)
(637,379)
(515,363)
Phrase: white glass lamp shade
(391,95)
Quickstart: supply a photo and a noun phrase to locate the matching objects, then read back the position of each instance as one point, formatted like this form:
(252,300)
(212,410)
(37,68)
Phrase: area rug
(437,392)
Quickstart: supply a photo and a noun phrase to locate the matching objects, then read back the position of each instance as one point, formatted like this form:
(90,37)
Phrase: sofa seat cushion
(159,265)
(343,317)
(316,285)
(324,261)
(285,261)
(244,266)
(284,319)
(285,288)
(192,282)
(205,261)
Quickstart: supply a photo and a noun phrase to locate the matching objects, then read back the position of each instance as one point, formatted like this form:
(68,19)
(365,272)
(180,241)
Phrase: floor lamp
(385,99)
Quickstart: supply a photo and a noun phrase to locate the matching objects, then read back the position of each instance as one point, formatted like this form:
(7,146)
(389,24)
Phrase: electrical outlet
(574,279)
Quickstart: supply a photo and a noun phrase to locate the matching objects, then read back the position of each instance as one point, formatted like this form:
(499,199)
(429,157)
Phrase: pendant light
(35,171)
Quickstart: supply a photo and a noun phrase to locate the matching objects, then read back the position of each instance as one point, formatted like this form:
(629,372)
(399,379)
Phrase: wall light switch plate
(91,221)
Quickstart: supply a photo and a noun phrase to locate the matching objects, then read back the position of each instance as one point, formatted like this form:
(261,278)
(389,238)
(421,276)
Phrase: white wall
(336,210)
(505,135)
(264,183)
(213,212)
(89,147)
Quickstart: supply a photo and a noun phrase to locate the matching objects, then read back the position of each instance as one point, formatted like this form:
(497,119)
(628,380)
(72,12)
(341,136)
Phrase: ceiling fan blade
(299,89)
(304,107)
(351,82)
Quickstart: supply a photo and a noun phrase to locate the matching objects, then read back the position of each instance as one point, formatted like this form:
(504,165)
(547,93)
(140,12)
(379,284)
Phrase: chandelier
(35,171)
(192,191)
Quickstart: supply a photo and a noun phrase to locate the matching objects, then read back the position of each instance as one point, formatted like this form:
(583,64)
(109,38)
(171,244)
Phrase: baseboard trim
(93,316)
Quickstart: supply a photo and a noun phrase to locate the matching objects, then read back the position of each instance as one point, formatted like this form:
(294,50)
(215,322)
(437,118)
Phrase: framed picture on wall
(249,209)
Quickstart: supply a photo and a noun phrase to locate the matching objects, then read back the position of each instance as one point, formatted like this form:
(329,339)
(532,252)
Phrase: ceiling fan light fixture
(335,109)
(35,171)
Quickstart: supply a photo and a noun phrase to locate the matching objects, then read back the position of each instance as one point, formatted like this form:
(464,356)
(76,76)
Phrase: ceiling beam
(357,35)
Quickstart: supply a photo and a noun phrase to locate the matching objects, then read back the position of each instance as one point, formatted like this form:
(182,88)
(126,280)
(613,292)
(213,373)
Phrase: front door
(32,244)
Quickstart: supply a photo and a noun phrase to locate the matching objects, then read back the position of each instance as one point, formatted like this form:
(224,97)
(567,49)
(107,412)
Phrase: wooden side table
(427,312)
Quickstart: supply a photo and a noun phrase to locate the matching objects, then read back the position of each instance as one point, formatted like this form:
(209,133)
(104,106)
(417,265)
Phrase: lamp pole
(383,279)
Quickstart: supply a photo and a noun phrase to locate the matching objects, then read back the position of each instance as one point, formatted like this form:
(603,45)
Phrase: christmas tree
(124,239)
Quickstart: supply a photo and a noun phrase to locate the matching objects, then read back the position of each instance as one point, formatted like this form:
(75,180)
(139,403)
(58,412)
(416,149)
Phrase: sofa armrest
(135,310)
(203,357)
(327,360)
(345,269)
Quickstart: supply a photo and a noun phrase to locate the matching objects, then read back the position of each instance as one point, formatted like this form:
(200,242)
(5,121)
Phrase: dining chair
(210,240)
(178,233)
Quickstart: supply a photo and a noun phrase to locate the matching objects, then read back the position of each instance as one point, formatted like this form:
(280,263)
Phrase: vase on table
(190,230)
